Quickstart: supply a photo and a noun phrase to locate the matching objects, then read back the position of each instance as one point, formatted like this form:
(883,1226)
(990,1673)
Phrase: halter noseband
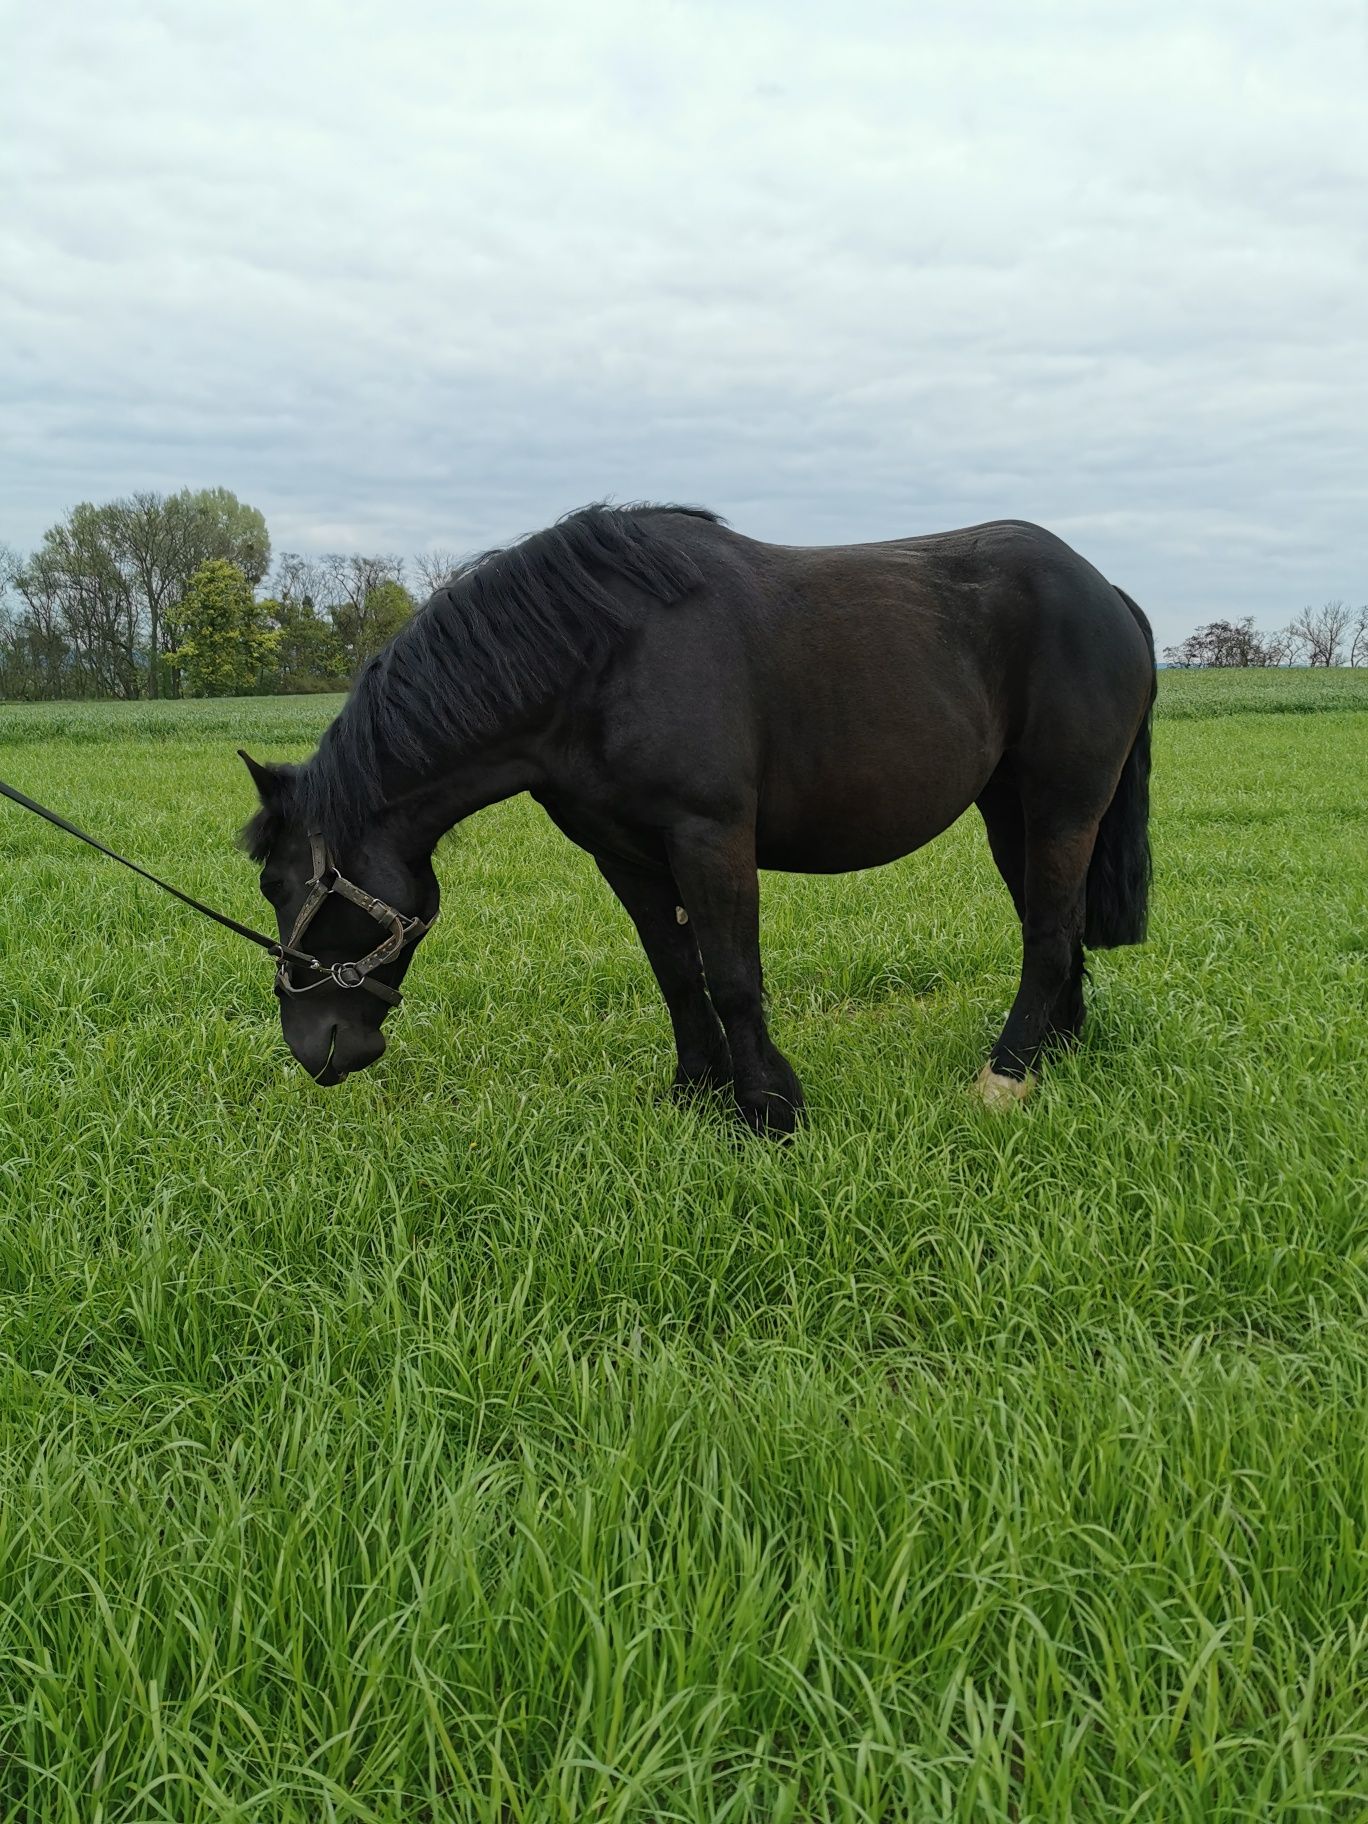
(402,931)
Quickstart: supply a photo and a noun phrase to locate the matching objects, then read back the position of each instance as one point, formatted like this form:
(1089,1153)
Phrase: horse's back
(867,693)
(1006,607)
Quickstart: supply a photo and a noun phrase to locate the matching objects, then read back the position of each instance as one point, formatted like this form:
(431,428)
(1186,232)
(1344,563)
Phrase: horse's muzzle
(330,1053)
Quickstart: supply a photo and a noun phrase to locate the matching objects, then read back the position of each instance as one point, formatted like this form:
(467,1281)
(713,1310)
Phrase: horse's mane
(498,641)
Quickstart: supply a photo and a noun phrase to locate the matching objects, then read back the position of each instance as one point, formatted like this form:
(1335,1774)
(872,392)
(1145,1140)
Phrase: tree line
(1333,634)
(170,595)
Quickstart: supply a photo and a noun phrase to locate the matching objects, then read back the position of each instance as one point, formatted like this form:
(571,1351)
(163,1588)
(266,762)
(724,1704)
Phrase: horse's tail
(1119,873)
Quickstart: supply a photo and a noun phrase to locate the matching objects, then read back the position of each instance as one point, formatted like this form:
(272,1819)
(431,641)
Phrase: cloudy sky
(411,276)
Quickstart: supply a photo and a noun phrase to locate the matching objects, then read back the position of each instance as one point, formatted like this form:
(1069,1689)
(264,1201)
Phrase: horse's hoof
(697,1088)
(772,1116)
(997,1091)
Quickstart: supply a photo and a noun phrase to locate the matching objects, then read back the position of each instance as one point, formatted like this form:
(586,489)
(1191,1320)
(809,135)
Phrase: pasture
(490,1438)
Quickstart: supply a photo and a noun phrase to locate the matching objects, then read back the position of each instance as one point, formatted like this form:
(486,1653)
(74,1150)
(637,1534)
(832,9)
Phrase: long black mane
(508,631)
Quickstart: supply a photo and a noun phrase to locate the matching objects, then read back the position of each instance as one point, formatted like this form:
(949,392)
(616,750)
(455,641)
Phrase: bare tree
(365,599)
(302,579)
(1227,644)
(1185,656)
(1319,632)
(436,569)
(309,654)
(1358,641)
(1235,643)
(1279,648)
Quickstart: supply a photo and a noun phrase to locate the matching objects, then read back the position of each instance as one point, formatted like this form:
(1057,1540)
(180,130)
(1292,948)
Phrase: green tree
(159,541)
(109,581)
(221,525)
(227,644)
(196,525)
(76,576)
(373,606)
(148,538)
(387,607)
(307,655)
(35,657)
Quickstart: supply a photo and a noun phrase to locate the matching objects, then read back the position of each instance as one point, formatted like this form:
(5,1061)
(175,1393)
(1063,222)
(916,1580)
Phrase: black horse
(690,705)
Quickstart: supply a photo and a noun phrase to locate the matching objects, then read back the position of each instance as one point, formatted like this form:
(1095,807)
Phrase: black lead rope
(271,944)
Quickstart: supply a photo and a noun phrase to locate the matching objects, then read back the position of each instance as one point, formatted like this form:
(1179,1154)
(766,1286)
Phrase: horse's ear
(268,780)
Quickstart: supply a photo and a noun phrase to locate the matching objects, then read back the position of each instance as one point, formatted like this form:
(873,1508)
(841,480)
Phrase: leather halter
(324,881)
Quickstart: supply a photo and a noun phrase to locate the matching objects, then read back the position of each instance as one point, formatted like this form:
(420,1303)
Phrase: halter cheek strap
(402,931)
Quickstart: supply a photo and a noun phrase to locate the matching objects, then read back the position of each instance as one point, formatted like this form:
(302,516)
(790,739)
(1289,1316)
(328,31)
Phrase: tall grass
(1259,691)
(492,1439)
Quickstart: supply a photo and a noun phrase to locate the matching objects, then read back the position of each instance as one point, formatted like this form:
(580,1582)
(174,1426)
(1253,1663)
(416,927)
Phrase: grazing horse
(690,706)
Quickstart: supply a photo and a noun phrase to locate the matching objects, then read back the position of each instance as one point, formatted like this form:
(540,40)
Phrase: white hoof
(1002,1092)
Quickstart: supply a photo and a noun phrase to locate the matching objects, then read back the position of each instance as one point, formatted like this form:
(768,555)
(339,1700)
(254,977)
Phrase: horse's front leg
(714,869)
(651,900)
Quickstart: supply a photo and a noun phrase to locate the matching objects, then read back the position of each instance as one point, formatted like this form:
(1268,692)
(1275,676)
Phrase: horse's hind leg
(1056,852)
(1003,818)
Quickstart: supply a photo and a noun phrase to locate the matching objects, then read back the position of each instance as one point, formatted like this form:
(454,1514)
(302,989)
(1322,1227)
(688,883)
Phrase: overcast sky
(407,276)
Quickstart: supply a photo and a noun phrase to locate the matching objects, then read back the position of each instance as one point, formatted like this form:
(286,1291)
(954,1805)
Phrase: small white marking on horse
(681,916)
(1002,1092)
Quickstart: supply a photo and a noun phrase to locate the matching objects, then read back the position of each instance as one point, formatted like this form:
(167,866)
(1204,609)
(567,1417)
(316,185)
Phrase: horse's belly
(870,753)
(843,827)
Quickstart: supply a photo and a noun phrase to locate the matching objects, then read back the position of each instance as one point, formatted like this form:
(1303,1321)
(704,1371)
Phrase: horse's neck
(428,808)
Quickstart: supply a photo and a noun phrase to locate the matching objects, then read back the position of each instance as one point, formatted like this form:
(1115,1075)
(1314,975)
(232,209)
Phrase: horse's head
(358,914)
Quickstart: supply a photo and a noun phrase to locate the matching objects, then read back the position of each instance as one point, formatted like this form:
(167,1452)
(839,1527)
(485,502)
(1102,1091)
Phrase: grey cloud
(408,275)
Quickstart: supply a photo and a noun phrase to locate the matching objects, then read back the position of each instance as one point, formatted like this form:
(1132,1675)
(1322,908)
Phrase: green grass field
(492,1439)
